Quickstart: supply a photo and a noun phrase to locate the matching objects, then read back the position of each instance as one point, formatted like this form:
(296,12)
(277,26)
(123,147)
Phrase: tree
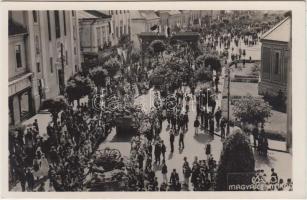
(77,87)
(211,60)
(236,157)
(252,110)
(157,47)
(98,76)
(203,74)
(171,75)
(54,106)
(112,66)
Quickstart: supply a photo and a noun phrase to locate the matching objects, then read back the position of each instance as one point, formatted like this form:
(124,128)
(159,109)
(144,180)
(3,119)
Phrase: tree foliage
(77,87)
(202,74)
(172,74)
(252,110)
(236,157)
(211,60)
(112,66)
(99,75)
(157,46)
(54,106)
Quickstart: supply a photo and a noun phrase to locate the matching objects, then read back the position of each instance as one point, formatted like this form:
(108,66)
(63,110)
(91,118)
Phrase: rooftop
(85,15)
(144,14)
(92,14)
(16,28)
(280,32)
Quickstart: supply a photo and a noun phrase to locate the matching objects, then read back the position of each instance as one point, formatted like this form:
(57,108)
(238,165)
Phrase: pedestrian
(172,139)
(213,104)
(255,136)
(173,121)
(211,125)
(164,171)
(186,170)
(30,179)
(186,120)
(208,150)
(206,118)
(163,149)
(157,153)
(140,160)
(181,142)
(196,125)
(35,124)
(274,179)
(222,125)
(174,177)
(218,115)
(217,83)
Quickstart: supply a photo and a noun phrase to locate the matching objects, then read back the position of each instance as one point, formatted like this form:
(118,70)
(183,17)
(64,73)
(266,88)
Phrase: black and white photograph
(149,100)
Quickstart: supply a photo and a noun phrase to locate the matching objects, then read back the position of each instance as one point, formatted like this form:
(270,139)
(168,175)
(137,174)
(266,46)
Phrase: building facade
(275,59)
(95,32)
(43,53)
(143,21)
(120,24)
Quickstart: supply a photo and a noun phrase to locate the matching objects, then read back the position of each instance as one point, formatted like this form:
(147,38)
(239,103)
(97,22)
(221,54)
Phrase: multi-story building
(172,19)
(120,24)
(143,21)
(95,32)
(43,53)
(275,59)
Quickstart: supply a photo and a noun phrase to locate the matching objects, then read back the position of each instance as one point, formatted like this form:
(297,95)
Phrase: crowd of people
(61,156)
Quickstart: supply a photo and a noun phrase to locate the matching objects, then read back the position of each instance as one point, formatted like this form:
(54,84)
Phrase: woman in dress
(44,169)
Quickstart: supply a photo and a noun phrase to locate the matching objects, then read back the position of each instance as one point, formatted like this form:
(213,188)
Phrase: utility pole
(228,100)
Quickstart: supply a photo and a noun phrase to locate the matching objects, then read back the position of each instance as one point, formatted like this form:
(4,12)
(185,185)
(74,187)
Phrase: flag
(153,28)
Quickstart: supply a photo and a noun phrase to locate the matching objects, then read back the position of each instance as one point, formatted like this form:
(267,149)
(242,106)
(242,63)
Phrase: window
(64,19)
(49,27)
(73,13)
(76,68)
(38,68)
(113,27)
(51,65)
(37,50)
(110,30)
(57,24)
(266,59)
(75,50)
(117,33)
(24,105)
(120,11)
(18,56)
(111,12)
(276,63)
(98,35)
(121,28)
(34,16)
(125,29)
(74,32)
(116,12)
(66,57)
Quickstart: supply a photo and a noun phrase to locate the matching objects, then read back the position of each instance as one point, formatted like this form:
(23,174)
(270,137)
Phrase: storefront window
(24,105)
(11,112)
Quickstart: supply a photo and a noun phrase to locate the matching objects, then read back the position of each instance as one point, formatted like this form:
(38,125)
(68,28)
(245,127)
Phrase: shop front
(20,99)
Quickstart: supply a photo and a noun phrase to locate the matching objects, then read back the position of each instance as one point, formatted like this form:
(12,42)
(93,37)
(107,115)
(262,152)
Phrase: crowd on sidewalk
(61,157)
